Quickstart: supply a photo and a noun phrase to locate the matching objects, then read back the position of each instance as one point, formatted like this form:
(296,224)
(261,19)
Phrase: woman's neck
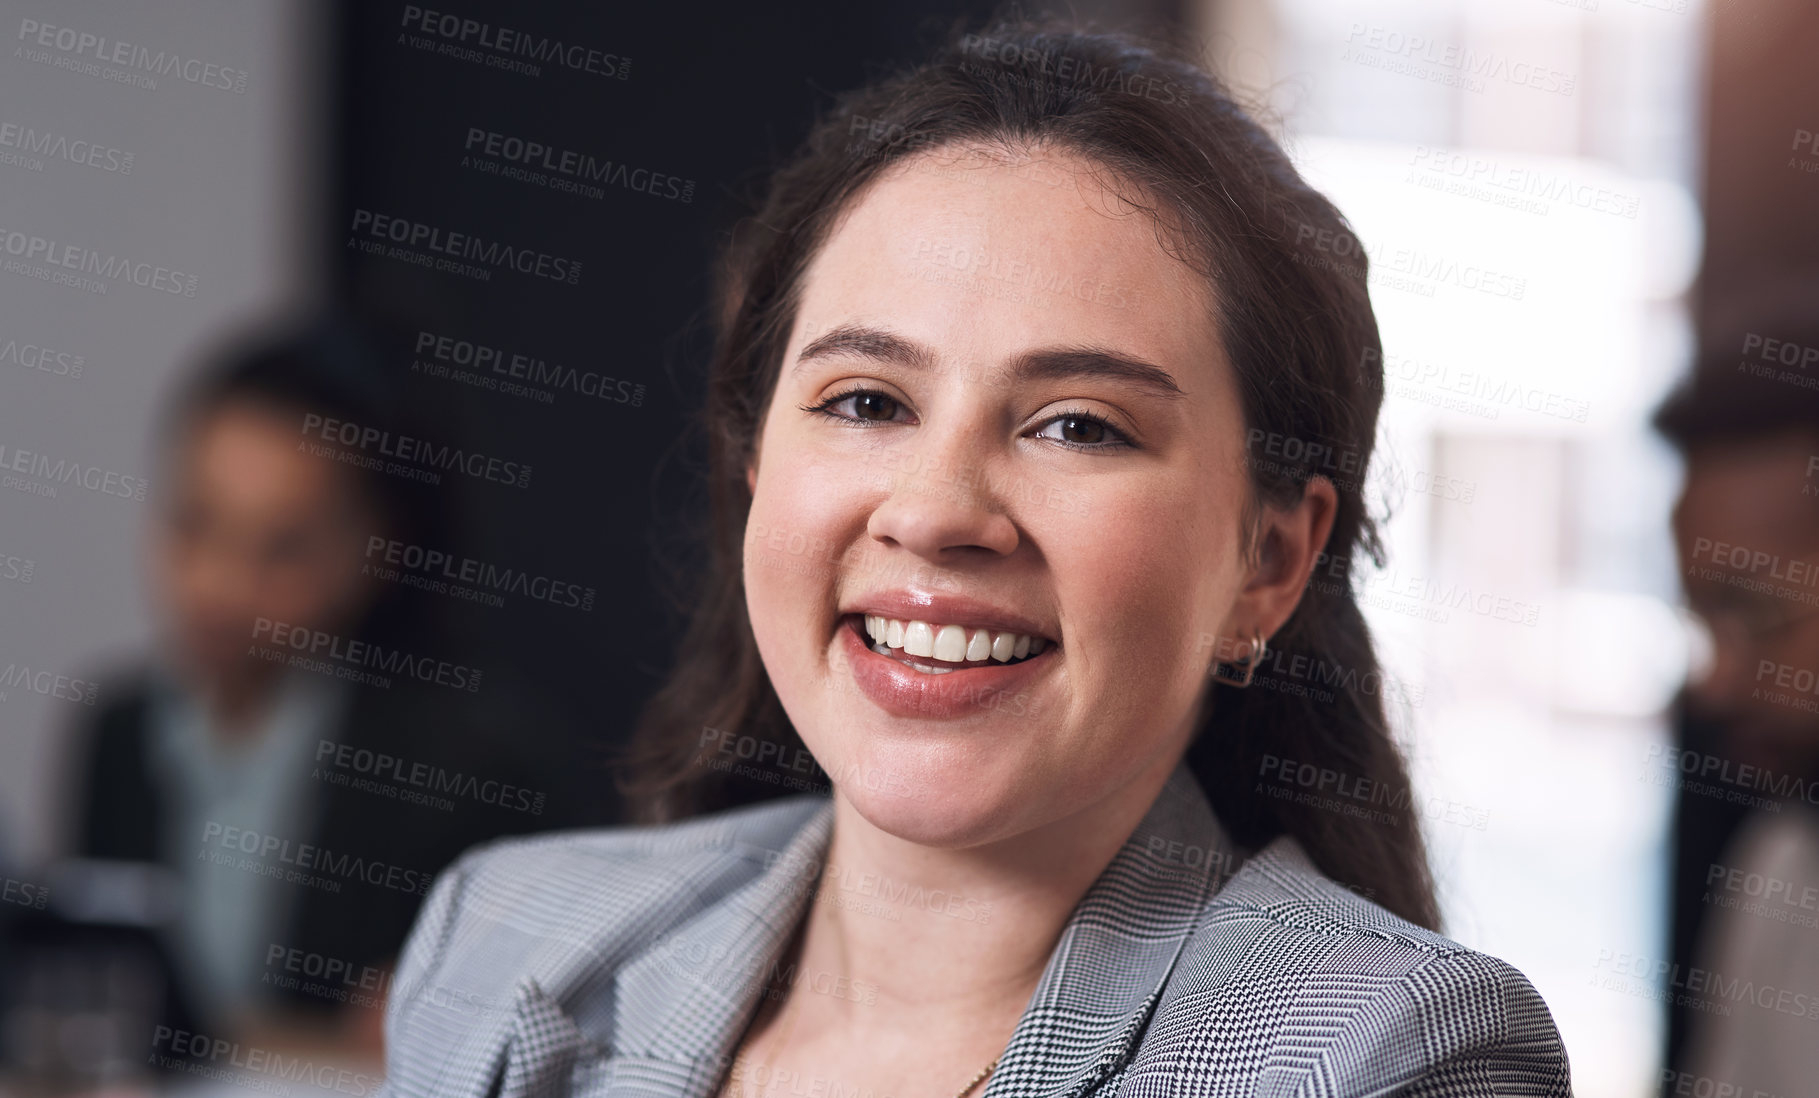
(950,942)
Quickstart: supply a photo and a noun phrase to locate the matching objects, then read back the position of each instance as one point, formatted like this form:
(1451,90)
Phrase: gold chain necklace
(989,1068)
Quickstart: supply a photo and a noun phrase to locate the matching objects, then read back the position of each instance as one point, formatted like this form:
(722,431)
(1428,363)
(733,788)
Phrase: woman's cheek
(769,579)
(790,578)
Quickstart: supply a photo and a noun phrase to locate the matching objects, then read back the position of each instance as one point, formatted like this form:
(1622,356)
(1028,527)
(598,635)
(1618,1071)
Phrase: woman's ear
(1289,543)
(751,479)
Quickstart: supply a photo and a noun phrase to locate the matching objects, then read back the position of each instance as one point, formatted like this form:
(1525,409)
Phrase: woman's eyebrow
(855,341)
(1045,364)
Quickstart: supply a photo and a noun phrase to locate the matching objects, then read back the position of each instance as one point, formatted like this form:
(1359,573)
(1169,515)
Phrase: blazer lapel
(544,1044)
(683,1001)
(1117,950)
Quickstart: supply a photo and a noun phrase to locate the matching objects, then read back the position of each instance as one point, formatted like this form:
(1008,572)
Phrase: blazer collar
(679,1007)
(685,1000)
(1117,950)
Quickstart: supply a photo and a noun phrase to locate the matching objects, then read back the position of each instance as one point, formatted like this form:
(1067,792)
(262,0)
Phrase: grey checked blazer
(627,962)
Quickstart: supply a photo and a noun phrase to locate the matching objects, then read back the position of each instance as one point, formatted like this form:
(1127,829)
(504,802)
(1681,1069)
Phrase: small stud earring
(1249,666)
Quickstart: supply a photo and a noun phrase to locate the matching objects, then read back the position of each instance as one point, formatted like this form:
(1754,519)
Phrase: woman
(1034,408)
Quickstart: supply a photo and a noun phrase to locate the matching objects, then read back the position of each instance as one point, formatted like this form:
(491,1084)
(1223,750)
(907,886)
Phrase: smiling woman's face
(1047,440)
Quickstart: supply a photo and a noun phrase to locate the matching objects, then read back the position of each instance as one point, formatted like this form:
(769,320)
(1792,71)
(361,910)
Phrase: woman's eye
(1080,430)
(1083,432)
(869,406)
(877,407)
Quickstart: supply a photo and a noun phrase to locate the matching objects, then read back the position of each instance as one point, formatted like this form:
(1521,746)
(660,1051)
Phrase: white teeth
(1003,644)
(950,643)
(918,639)
(979,646)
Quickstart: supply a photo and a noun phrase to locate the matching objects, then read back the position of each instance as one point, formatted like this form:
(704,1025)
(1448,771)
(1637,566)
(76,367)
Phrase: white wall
(219,183)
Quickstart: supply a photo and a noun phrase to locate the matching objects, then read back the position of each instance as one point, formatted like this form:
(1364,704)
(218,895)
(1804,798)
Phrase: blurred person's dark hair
(1724,400)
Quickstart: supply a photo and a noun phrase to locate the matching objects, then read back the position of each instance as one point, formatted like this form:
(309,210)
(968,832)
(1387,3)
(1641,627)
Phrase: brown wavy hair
(1297,326)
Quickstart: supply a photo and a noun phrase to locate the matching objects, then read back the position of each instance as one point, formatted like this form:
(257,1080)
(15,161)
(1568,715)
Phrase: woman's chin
(935,809)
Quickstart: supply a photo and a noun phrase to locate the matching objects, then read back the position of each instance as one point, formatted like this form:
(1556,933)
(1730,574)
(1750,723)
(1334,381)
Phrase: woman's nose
(938,503)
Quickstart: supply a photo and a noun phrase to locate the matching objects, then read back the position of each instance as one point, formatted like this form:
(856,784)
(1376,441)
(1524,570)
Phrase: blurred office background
(1536,182)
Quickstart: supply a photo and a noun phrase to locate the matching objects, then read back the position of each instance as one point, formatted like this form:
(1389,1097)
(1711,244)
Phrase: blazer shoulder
(1281,885)
(1285,953)
(562,911)
(506,903)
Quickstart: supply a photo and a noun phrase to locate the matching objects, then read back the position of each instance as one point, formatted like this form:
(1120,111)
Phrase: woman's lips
(901,690)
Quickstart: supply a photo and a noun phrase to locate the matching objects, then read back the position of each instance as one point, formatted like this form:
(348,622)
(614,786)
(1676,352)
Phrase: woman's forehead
(976,244)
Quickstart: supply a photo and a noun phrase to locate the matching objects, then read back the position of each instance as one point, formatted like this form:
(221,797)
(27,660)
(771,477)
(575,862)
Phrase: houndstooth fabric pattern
(626,962)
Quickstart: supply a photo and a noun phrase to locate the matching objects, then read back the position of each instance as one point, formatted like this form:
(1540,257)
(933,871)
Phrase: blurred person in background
(347,796)
(1746,530)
